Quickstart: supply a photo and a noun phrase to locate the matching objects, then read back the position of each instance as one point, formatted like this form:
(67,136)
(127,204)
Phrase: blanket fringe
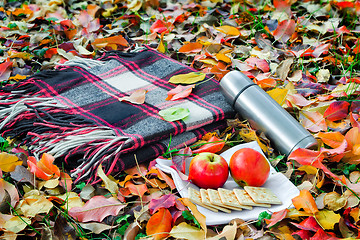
(48,126)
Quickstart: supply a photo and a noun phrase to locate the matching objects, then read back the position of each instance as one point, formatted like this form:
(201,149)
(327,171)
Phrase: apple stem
(211,158)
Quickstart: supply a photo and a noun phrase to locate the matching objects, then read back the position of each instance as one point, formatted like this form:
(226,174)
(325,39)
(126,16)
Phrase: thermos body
(265,114)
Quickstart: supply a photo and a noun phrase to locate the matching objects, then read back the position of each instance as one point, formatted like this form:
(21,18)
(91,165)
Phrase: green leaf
(140,235)
(188,216)
(174,113)
(188,78)
(80,185)
(263,215)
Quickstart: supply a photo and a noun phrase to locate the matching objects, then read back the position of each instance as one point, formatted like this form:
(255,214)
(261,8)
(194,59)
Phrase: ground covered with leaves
(305,54)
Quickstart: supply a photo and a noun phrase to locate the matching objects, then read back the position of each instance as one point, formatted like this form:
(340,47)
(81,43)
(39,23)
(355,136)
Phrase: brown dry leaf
(320,200)
(137,97)
(334,201)
(229,232)
(33,205)
(352,200)
(97,228)
(17,224)
(283,69)
(354,177)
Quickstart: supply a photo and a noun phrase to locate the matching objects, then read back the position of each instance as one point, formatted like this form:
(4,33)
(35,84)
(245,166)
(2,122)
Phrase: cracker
(216,200)
(262,195)
(206,200)
(229,199)
(194,196)
(244,198)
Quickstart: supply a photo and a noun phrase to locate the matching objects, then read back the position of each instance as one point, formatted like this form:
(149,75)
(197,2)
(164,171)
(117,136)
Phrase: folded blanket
(74,112)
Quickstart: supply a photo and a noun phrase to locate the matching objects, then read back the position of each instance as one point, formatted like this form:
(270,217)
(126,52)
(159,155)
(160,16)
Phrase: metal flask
(265,114)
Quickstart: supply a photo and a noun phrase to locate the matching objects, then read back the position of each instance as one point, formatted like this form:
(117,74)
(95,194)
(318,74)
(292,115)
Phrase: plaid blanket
(74,112)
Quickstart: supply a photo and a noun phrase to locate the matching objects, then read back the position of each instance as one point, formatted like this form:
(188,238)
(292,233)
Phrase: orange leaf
(228,30)
(332,139)
(159,224)
(313,121)
(103,42)
(193,47)
(159,26)
(135,189)
(305,201)
(44,169)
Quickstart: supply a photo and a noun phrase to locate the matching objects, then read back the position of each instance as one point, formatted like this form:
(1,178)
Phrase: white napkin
(277,182)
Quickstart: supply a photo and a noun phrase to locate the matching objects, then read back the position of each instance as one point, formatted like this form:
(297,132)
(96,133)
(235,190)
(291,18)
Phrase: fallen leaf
(180,92)
(137,97)
(337,110)
(229,232)
(17,224)
(276,217)
(284,30)
(5,70)
(334,201)
(195,212)
(312,158)
(323,75)
(160,224)
(109,184)
(174,113)
(332,139)
(228,30)
(34,205)
(159,26)
(278,94)
(8,162)
(44,169)
(96,228)
(165,201)
(96,209)
(110,41)
(305,201)
(254,62)
(192,47)
(22,174)
(188,78)
(309,224)
(327,219)
(184,230)
(179,159)
(136,189)
(313,121)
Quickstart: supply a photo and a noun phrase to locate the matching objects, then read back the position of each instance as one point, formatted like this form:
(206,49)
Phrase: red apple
(208,170)
(248,167)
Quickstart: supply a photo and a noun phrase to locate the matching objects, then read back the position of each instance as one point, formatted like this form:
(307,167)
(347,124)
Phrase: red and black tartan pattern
(87,92)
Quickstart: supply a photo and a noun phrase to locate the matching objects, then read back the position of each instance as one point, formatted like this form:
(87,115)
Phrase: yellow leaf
(17,224)
(184,230)
(327,219)
(8,162)
(308,169)
(228,30)
(71,199)
(278,94)
(209,61)
(109,184)
(229,232)
(17,77)
(188,78)
(161,48)
(223,57)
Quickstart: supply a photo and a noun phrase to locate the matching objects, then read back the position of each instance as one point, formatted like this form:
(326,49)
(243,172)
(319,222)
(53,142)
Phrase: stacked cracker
(226,200)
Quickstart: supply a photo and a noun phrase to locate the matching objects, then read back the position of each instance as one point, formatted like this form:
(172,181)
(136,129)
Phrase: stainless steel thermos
(265,114)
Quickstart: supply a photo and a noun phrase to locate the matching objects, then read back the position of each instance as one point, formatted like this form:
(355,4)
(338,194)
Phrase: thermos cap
(233,84)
